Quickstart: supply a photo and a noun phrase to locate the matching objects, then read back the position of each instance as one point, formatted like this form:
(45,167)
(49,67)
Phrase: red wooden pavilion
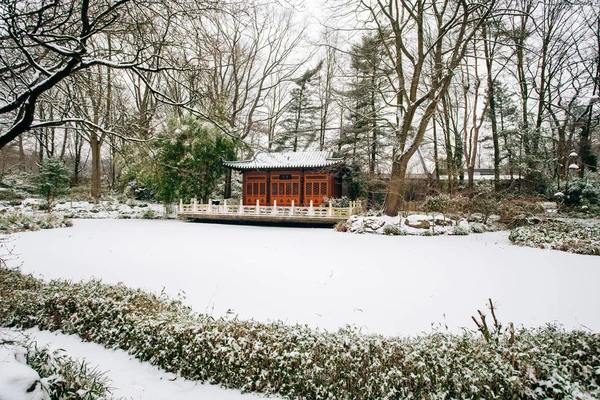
(287,176)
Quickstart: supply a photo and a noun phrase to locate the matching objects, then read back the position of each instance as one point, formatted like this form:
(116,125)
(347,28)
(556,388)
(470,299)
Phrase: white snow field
(390,285)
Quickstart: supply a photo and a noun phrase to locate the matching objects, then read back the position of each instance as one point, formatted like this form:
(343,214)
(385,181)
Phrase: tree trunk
(227,192)
(492,104)
(96,166)
(395,195)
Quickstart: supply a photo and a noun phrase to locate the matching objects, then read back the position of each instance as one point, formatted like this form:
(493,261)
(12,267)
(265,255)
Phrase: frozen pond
(388,285)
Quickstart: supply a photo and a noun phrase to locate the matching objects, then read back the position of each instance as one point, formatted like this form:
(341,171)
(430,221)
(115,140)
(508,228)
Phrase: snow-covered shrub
(149,214)
(580,238)
(393,230)
(459,231)
(341,202)
(56,375)
(477,228)
(437,203)
(582,191)
(298,362)
(17,222)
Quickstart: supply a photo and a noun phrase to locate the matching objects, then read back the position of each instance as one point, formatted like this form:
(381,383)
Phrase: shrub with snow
(16,222)
(580,238)
(298,362)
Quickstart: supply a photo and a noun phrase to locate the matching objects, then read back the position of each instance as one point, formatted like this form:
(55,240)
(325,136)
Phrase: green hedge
(304,363)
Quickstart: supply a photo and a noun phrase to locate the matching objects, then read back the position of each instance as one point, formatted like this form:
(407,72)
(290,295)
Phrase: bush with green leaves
(52,180)
(582,192)
(580,238)
(437,203)
(298,362)
(189,156)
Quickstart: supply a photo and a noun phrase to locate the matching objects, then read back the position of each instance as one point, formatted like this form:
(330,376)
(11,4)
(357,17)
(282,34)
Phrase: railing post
(225,206)
(180,205)
(209,208)
(195,205)
(274,211)
(292,209)
(330,209)
(241,210)
(257,211)
(311,210)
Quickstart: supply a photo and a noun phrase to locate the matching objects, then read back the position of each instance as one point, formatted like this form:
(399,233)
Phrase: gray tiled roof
(305,159)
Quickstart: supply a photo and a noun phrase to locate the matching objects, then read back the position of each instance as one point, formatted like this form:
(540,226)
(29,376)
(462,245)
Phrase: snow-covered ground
(389,285)
(130,378)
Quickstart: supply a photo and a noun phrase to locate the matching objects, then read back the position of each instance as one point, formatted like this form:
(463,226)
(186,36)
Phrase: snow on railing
(215,208)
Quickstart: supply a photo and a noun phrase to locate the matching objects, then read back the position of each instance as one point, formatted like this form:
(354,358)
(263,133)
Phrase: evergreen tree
(362,136)
(52,180)
(299,118)
(189,160)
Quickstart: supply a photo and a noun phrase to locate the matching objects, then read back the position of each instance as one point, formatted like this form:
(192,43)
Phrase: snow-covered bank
(130,378)
(389,285)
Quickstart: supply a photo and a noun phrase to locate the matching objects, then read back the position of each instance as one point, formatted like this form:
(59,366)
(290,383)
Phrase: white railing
(196,208)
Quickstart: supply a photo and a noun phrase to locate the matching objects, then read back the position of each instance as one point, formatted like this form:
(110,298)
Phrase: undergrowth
(16,222)
(303,363)
(580,238)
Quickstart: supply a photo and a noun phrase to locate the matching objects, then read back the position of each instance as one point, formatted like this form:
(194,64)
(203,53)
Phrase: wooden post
(330,209)
(292,209)
(257,211)
(274,211)
(195,205)
(311,209)
(180,205)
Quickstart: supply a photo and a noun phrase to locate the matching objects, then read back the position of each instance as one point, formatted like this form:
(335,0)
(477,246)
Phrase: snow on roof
(289,159)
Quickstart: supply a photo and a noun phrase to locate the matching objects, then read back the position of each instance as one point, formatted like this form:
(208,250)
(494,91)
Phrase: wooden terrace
(265,215)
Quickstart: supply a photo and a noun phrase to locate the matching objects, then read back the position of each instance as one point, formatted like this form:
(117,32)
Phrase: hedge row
(304,363)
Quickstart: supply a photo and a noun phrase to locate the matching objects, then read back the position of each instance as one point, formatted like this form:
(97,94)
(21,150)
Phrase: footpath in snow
(323,278)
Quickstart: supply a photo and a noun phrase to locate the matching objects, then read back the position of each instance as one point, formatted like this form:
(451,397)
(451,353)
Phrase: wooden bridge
(266,215)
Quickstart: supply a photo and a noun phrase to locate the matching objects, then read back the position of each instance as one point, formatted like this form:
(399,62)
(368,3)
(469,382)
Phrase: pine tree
(299,121)
(52,180)
(362,137)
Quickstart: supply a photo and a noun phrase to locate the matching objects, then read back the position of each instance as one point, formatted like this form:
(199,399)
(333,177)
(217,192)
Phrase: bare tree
(421,33)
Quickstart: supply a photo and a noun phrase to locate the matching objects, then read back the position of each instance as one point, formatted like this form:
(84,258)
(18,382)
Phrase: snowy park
(395,286)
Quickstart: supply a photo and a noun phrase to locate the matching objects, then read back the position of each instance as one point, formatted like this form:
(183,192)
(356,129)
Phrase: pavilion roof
(282,160)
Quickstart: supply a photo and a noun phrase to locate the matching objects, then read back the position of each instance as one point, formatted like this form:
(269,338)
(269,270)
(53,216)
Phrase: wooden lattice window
(255,188)
(295,189)
(263,188)
(324,189)
(309,189)
(288,189)
(249,188)
(274,189)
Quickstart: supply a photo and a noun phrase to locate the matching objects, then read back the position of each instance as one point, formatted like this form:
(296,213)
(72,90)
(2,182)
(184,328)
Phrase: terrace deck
(265,215)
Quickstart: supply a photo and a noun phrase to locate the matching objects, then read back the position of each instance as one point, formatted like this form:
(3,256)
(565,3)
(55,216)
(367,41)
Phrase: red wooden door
(285,187)
(315,188)
(255,188)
